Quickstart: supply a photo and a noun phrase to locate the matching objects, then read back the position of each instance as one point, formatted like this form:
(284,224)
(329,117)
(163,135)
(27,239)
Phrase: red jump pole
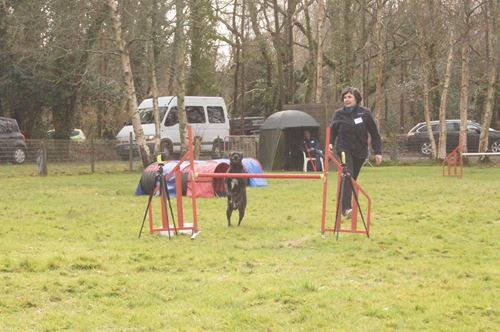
(259,175)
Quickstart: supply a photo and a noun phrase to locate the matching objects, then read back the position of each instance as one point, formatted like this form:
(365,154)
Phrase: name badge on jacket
(358,120)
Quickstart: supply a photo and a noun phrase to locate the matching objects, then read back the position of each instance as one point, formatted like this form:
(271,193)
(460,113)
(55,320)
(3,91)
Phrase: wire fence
(103,156)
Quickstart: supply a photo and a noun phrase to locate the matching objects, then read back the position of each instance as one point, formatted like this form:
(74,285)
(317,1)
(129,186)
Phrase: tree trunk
(348,56)
(129,84)
(364,54)
(310,65)
(380,60)
(444,100)
(493,59)
(236,56)
(464,84)
(280,61)
(242,65)
(424,76)
(288,51)
(179,72)
(402,97)
(319,51)
(152,70)
(266,56)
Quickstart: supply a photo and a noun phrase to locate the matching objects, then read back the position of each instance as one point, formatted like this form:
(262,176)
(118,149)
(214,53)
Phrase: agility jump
(454,162)
(193,227)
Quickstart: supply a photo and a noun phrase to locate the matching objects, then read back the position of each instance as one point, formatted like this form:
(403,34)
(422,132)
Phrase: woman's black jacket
(350,128)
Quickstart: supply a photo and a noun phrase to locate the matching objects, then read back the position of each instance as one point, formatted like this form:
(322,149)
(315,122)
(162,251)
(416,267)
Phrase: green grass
(70,258)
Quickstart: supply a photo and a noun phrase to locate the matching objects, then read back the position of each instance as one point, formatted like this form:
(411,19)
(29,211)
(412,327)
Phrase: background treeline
(60,66)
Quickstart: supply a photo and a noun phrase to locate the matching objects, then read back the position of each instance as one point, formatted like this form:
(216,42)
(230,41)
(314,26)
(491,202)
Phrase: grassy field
(70,258)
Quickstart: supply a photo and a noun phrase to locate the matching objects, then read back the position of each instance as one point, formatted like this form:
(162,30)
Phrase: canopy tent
(281,137)
(206,187)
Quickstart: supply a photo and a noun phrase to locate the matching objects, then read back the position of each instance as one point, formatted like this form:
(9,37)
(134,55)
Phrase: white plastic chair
(311,160)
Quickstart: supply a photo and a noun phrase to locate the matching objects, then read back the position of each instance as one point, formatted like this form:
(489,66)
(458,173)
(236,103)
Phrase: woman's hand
(378,159)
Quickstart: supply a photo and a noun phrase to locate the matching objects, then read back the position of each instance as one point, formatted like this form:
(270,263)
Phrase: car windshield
(146,115)
(8,126)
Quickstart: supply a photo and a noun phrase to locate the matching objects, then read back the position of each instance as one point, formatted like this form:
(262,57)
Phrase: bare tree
(464,84)
(178,68)
(288,61)
(424,74)
(266,56)
(129,83)
(279,46)
(493,60)
(444,98)
(312,46)
(152,68)
(380,30)
(320,27)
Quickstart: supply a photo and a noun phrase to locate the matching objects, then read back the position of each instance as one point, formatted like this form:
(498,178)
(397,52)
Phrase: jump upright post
(454,160)
(357,190)
(176,170)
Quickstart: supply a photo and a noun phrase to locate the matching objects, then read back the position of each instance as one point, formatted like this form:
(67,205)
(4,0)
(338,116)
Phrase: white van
(206,115)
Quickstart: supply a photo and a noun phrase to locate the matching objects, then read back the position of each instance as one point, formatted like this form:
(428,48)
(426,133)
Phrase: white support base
(180,232)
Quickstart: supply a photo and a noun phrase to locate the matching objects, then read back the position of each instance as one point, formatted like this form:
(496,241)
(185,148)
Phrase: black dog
(236,189)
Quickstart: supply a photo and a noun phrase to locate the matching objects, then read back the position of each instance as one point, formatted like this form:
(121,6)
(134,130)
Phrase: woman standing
(349,130)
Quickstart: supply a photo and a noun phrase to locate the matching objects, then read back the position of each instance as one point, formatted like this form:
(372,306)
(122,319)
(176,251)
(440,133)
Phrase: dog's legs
(242,214)
(229,212)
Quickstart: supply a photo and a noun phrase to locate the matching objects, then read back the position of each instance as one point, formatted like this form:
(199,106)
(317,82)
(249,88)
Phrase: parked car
(75,135)
(12,142)
(418,139)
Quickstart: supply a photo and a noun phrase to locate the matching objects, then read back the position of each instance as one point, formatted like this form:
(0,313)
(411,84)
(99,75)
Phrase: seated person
(312,149)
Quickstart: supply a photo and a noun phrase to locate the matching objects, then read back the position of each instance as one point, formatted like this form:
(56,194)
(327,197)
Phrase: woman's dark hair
(355,92)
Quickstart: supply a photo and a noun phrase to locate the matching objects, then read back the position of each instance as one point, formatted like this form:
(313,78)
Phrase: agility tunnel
(206,187)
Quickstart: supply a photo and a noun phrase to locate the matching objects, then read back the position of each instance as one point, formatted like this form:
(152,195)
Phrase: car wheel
(495,147)
(217,149)
(166,150)
(426,148)
(19,155)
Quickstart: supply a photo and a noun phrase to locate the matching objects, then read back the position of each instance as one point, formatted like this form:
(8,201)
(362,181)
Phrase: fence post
(92,156)
(41,159)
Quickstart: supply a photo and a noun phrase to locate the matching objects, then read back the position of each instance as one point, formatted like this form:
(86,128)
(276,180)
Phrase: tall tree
(320,27)
(68,69)
(493,60)
(152,56)
(279,48)
(288,52)
(381,32)
(424,74)
(465,70)
(444,98)
(201,80)
(270,96)
(178,69)
(310,65)
(129,83)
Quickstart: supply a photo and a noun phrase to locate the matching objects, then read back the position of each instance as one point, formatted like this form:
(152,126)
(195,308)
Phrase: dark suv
(418,139)
(12,144)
